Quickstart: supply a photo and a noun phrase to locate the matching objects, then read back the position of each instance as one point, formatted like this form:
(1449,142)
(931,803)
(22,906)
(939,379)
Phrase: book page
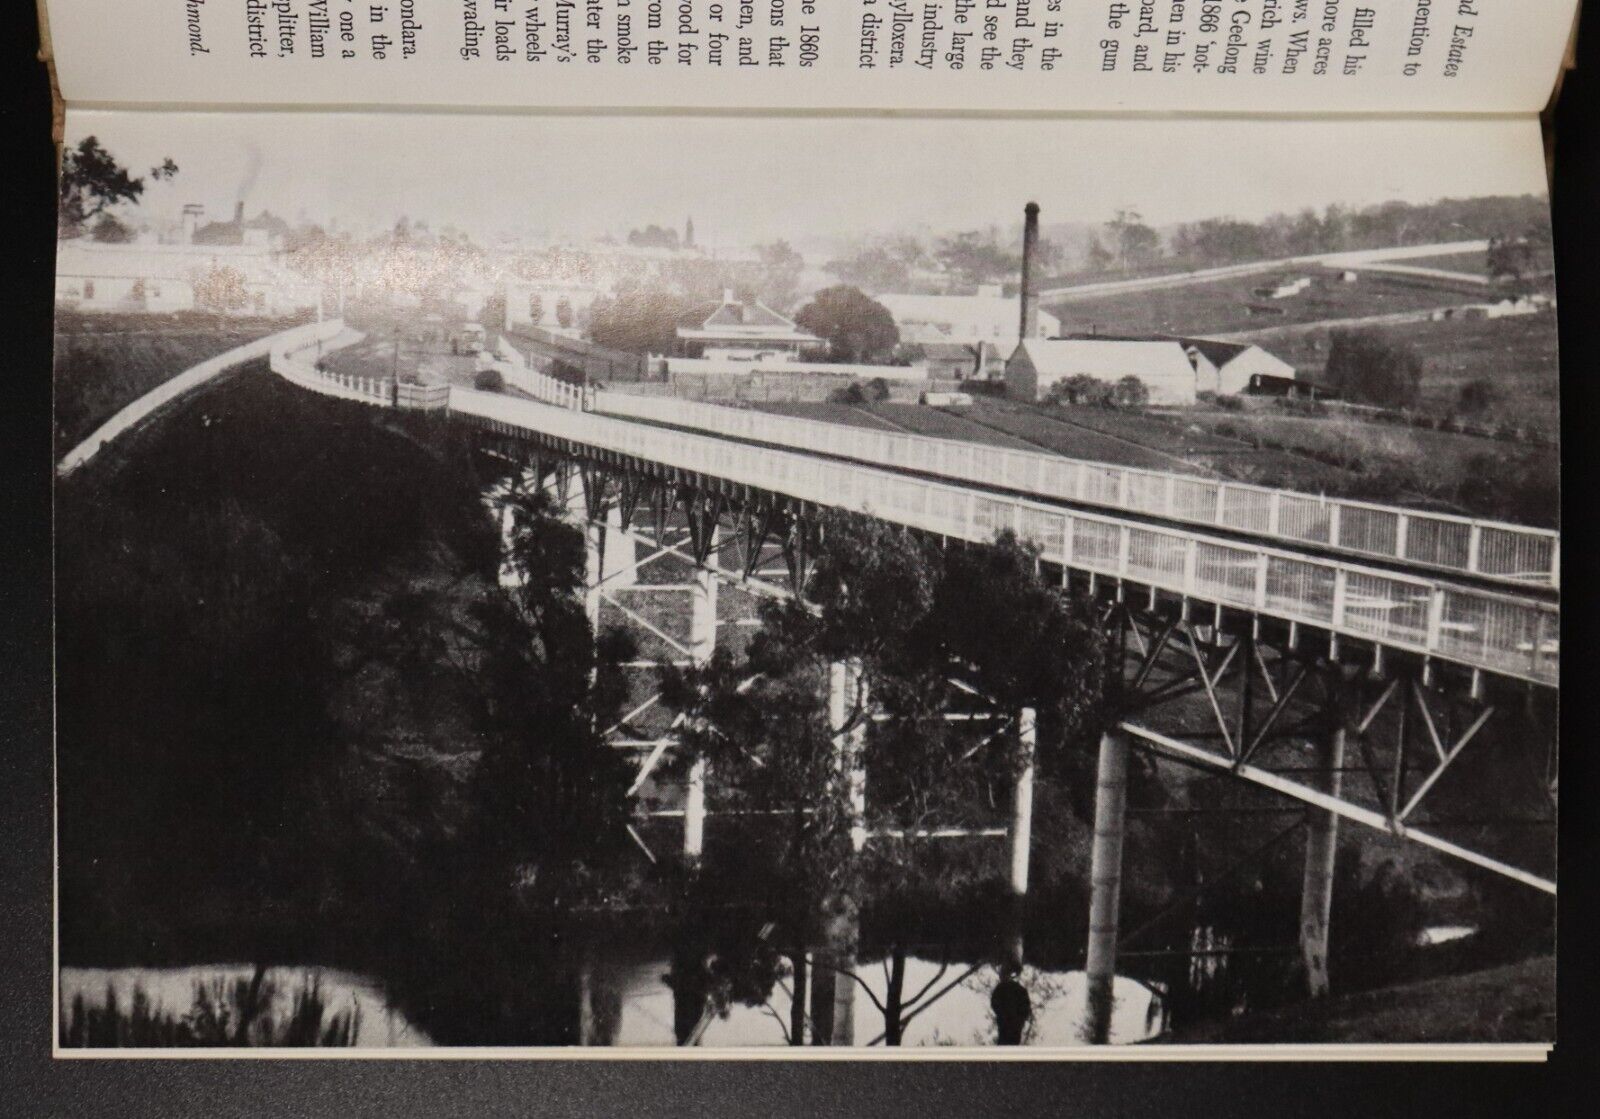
(1234,56)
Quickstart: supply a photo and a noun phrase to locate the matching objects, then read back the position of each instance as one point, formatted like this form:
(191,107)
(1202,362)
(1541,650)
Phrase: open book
(756,523)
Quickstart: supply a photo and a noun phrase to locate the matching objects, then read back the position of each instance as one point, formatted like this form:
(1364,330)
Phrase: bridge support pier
(847,695)
(594,547)
(1022,800)
(1105,881)
(1322,846)
(702,643)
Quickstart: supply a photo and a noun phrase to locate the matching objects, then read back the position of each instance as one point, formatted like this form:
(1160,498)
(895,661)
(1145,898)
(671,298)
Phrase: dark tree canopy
(92,181)
(1365,366)
(641,320)
(856,327)
(911,617)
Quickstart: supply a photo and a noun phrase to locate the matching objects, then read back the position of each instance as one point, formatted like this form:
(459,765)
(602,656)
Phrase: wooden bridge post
(1022,801)
(594,544)
(1322,847)
(702,643)
(1105,881)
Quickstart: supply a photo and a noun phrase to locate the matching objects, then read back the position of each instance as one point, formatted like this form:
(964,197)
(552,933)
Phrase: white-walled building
(1163,366)
(246,279)
(1227,368)
(1174,370)
(988,316)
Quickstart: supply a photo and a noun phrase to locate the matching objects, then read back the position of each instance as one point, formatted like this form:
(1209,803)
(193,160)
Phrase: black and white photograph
(783,584)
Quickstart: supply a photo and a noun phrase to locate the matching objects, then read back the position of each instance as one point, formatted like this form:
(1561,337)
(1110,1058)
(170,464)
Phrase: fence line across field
(1497,632)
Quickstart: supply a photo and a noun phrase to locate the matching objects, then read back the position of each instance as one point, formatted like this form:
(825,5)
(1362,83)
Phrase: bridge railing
(296,360)
(520,374)
(1498,632)
(1513,553)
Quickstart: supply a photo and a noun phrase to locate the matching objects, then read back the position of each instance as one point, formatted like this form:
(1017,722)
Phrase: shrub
(489,380)
(1477,395)
(1080,388)
(850,394)
(1130,392)
(877,390)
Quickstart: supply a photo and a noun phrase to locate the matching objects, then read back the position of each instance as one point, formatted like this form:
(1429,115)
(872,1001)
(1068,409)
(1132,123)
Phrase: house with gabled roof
(744,330)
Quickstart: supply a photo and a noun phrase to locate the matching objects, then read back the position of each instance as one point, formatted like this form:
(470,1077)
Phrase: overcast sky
(748,179)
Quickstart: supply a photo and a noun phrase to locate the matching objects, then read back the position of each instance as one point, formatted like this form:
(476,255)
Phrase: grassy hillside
(237,744)
(104,362)
(1223,306)
(1517,357)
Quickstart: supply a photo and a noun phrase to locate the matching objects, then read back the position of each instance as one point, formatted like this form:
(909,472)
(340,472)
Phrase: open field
(922,420)
(105,361)
(848,414)
(1476,264)
(1223,306)
(1334,454)
(1054,430)
(1408,466)
(1517,355)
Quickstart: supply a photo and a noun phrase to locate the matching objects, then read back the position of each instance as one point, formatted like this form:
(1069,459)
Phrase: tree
(221,289)
(1136,243)
(653,237)
(640,320)
(92,181)
(781,267)
(493,315)
(1098,258)
(976,258)
(1080,388)
(1130,392)
(880,265)
(109,230)
(856,327)
(1365,366)
(1478,394)
(535,309)
(550,796)
(564,312)
(911,618)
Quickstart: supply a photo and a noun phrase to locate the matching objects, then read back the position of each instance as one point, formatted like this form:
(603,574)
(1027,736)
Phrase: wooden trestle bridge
(1349,654)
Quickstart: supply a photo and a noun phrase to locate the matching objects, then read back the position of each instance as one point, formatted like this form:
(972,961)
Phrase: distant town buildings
(538,303)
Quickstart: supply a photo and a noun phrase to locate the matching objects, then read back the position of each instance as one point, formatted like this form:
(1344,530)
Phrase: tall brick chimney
(1029,326)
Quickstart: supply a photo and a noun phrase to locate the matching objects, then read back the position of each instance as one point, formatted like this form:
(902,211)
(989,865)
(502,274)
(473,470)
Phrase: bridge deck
(1511,632)
(1506,633)
(1494,551)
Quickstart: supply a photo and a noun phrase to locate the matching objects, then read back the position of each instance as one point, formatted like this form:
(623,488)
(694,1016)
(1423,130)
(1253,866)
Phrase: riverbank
(1514,1003)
